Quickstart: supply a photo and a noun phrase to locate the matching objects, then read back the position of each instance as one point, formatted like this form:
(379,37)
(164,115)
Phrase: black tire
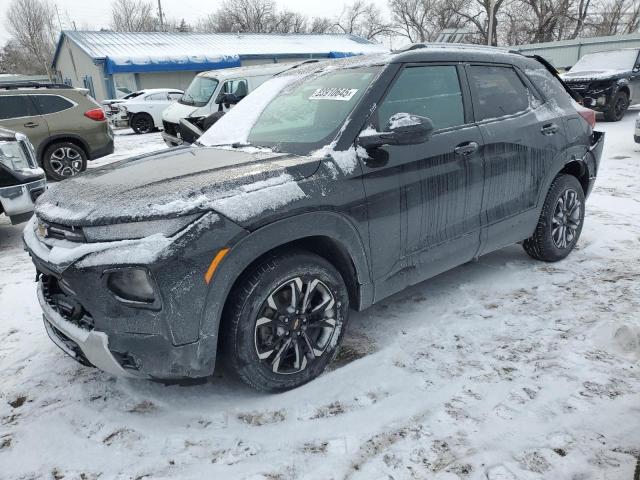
(560,222)
(63,160)
(142,123)
(251,348)
(617,107)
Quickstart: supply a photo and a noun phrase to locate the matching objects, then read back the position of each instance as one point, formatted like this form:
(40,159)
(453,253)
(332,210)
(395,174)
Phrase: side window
(237,87)
(497,91)
(156,96)
(51,103)
(175,95)
(15,106)
(430,91)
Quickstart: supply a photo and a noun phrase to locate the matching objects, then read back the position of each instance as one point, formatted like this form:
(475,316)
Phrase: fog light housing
(132,285)
(601,101)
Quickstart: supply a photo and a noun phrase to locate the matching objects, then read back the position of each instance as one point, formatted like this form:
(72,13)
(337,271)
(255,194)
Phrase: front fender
(242,254)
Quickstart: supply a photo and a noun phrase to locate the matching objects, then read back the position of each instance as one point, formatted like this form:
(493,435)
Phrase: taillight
(586,113)
(96,114)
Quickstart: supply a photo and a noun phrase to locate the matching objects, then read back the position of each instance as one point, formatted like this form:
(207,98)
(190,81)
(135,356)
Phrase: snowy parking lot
(502,369)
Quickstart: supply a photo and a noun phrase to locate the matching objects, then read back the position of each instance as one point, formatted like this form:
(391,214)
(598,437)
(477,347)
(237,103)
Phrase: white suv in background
(143,113)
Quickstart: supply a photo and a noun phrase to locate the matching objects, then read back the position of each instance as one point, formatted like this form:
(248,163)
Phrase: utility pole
(160,15)
(490,27)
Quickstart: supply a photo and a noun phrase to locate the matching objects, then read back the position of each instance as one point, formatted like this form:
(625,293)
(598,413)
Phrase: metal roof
(157,51)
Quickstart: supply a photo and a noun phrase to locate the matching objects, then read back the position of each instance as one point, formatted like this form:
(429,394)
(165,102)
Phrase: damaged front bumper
(18,201)
(88,320)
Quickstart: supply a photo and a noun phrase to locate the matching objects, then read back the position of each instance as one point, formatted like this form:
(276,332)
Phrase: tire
(618,106)
(142,123)
(63,160)
(560,222)
(277,349)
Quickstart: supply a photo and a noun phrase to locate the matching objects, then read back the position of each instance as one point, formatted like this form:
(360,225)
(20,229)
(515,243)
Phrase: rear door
(424,200)
(522,137)
(18,113)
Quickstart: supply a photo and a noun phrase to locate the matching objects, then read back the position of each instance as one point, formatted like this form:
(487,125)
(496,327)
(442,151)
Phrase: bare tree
(423,20)
(30,23)
(321,25)
(364,19)
(288,21)
(133,16)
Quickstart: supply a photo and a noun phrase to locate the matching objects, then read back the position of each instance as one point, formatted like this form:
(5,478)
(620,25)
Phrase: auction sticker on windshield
(342,94)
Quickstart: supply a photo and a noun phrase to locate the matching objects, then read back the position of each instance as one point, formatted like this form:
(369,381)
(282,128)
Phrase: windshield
(614,60)
(199,91)
(294,114)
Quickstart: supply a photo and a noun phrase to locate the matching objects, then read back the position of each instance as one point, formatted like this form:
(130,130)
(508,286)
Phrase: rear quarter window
(48,104)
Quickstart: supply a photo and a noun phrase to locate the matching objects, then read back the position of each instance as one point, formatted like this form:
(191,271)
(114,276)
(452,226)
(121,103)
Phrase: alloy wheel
(66,161)
(142,124)
(295,324)
(566,219)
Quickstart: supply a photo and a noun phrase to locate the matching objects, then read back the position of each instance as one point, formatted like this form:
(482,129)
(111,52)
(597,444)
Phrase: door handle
(467,148)
(31,125)
(549,129)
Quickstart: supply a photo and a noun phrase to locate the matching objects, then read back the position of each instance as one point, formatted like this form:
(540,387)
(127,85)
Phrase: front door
(424,200)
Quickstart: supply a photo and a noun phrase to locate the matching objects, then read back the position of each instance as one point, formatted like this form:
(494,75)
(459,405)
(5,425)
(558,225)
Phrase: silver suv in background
(65,125)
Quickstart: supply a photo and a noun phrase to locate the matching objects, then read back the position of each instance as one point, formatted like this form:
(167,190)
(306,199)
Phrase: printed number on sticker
(342,94)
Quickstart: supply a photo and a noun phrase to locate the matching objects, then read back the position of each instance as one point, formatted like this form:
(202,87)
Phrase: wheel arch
(327,234)
(580,170)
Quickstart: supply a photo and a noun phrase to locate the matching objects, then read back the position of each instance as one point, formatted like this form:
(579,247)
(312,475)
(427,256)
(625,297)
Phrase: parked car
(212,93)
(326,189)
(608,81)
(636,133)
(21,180)
(143,113)
(110,105)
(65,125)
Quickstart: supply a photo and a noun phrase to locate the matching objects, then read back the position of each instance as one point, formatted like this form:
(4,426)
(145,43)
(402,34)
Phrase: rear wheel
(618,106)
(560,222)
(284,321)
(142,123)
(63,160)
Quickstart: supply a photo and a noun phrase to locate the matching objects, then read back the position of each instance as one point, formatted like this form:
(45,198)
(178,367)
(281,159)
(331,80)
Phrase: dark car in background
(21,180)
(608,81)
(65,125)
(328,188)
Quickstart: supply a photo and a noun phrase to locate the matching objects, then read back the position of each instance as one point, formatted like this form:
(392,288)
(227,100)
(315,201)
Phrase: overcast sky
(97,13)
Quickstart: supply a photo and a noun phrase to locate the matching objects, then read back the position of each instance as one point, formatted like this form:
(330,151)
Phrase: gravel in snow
(505,368)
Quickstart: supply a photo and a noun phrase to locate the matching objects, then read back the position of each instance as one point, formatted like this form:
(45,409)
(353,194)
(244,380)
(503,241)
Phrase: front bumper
(18,201)
(171,140)
(88,347)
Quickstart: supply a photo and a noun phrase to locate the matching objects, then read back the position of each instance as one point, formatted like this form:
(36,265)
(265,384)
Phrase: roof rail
(15,86)
(298,65)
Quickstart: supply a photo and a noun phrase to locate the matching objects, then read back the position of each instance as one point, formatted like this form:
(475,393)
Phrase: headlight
(132,284)
(136,230)
(14,156)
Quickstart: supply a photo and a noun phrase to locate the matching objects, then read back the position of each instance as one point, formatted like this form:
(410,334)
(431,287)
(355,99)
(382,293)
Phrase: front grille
(579,86)
(61,232)
(63,300)
(78,354)
(170,128)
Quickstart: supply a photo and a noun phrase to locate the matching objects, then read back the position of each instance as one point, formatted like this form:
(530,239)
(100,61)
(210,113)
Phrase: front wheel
(284,321)
(560,222)
(618,106)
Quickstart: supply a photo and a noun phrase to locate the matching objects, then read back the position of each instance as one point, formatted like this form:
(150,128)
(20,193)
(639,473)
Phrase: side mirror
(402,129)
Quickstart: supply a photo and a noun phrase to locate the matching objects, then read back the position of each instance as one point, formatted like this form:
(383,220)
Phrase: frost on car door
(433,188)
(522,137)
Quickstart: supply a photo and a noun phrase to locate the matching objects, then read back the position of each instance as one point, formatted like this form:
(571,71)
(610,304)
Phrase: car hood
(590,75)
(237,183)
(174,112)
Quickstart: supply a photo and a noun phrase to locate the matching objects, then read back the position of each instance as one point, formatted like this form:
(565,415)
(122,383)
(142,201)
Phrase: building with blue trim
(110,63)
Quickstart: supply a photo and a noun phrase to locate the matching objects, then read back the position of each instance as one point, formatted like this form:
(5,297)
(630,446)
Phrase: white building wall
(74,64)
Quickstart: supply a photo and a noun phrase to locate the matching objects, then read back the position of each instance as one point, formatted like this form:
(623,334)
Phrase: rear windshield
(199,92)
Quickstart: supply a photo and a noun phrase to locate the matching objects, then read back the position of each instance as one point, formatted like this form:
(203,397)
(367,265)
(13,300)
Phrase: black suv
(608,81)
(329,187)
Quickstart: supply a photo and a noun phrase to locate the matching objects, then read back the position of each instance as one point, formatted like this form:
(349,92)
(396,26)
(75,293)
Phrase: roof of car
(420,52)
(249,71)
(158,90)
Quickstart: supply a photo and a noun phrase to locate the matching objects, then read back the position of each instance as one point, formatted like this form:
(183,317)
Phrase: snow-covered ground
(501,369)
